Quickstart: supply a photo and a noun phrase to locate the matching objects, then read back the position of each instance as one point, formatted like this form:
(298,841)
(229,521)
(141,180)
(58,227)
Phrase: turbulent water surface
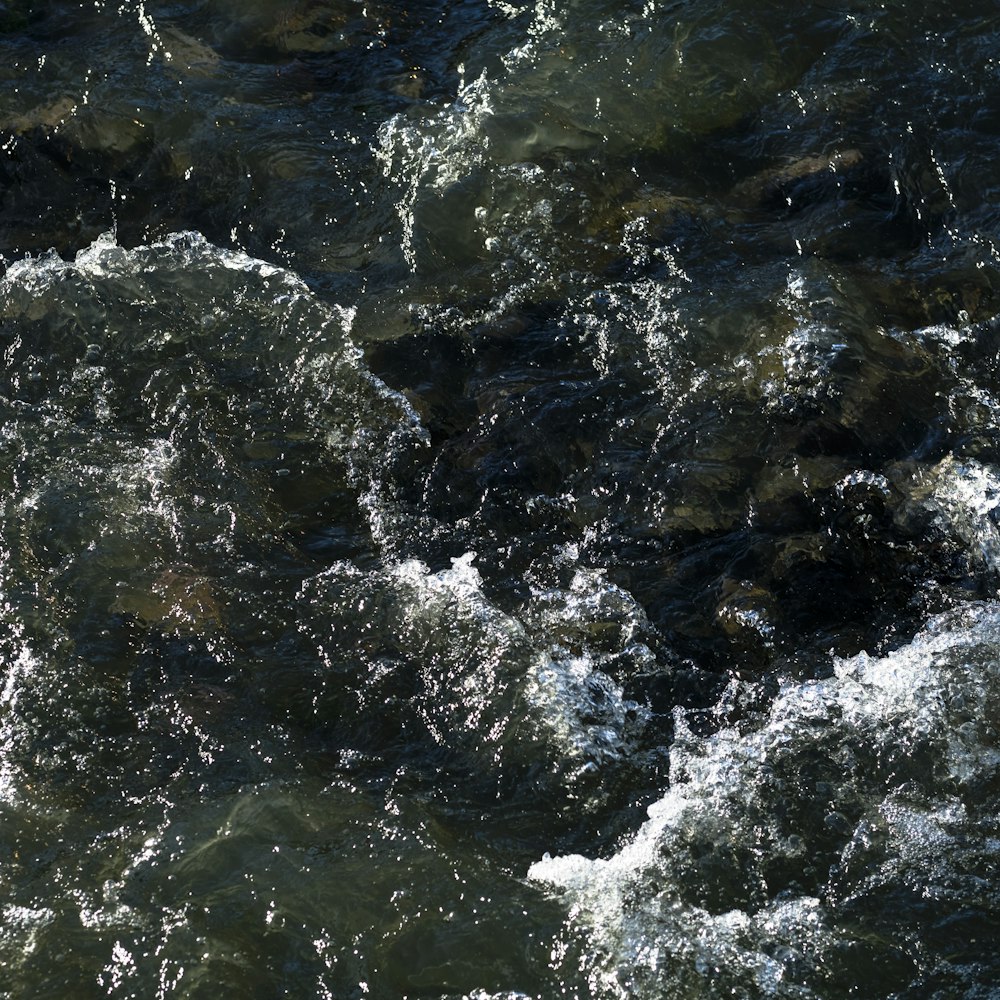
(500,499)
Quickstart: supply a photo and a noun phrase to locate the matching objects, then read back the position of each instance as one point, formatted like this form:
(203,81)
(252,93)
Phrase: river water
(500,499)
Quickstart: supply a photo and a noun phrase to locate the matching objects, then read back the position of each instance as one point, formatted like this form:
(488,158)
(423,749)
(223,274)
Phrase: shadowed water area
(499,500)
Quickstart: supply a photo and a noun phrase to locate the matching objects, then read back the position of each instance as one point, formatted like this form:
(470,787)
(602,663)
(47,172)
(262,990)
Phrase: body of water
(499,500)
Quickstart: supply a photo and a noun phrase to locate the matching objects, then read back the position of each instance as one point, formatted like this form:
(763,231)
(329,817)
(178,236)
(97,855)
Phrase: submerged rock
(177,600)
(786,185)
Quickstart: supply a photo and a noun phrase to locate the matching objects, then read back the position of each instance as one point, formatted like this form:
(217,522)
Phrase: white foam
(964,495)
(636,908)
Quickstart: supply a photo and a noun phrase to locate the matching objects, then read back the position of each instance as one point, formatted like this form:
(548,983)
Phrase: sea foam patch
(761,868)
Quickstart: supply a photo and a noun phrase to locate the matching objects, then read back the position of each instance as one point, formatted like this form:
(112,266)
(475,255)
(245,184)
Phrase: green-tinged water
(499,500)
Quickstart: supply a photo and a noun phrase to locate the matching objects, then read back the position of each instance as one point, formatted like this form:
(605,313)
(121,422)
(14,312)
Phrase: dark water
(500,500)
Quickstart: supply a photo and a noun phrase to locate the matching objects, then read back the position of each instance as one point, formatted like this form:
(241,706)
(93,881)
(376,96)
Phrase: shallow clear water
(500,500)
